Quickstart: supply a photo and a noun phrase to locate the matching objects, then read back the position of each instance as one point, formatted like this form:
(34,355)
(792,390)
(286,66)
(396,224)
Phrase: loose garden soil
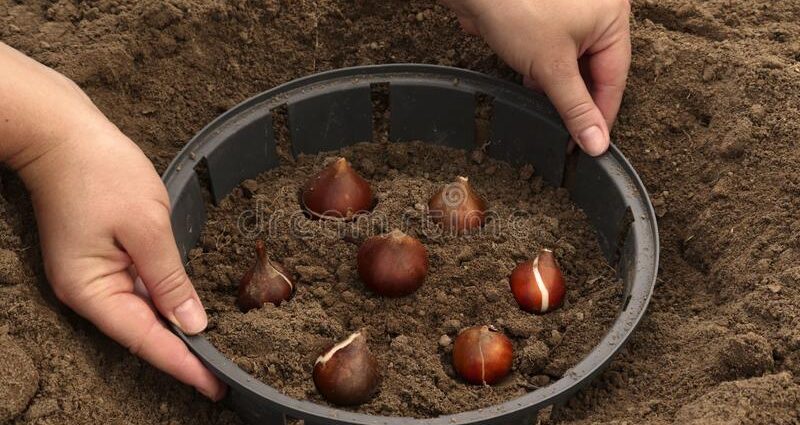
(467,283)
(710,120)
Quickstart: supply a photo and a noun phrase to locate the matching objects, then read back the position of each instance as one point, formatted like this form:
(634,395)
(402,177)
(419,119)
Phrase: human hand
(578,52)
(102,209)
(102,212)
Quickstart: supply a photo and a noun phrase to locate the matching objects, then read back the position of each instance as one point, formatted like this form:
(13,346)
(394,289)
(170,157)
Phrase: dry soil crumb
(770,399)
(19,379)
(746,355)
(12,271)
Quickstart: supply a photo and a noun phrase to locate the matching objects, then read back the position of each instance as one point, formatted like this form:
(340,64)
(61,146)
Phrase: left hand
(101,209)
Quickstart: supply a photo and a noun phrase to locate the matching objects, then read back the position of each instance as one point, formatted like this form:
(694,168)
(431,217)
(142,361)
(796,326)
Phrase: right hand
(554,44)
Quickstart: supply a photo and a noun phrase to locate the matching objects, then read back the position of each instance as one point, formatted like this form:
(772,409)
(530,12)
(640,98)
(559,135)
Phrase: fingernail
(191,317)
(592,140)
(212,395)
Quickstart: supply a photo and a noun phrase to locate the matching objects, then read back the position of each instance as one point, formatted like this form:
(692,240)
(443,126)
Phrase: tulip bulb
(482,355)
(337,193)
(347,373)
(393,264)
(538,285)
(457,207)
(265,282)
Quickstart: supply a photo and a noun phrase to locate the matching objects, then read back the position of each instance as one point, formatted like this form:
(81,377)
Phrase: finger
(468,25)
(126,318)
(532,84)
(151,246)
(561,80)
(608,69)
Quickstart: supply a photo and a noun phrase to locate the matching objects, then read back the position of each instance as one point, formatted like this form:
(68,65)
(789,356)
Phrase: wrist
(41,110)
(48,158)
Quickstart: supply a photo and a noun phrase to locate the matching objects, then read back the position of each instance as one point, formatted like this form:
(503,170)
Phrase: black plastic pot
(438,105)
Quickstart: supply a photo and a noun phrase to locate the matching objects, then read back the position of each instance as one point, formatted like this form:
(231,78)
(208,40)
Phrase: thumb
(149,242)
(561,80)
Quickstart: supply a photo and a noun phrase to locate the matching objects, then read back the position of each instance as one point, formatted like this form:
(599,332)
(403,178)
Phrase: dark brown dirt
(466,285)
(711,121)
(19,377)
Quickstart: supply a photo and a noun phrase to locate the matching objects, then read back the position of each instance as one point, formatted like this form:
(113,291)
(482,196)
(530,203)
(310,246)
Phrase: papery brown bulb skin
(393,264)
(347,373)
(482,355)
(457,207)
(337,193)
(538,285)
(265,282)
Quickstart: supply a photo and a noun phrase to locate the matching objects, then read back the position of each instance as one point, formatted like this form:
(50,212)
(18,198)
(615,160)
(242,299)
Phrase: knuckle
(174,284)
(139,341)
(621,8)
(180,360)
(136,346)
(154,219)
(578,111)
(618,84)
(562,69)
(152,225)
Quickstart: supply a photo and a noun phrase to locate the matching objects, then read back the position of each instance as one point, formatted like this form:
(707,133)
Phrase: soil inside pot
(412,336)
(710,121)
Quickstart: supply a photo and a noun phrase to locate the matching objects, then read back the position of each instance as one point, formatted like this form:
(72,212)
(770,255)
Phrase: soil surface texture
(710,120)
(467,282)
